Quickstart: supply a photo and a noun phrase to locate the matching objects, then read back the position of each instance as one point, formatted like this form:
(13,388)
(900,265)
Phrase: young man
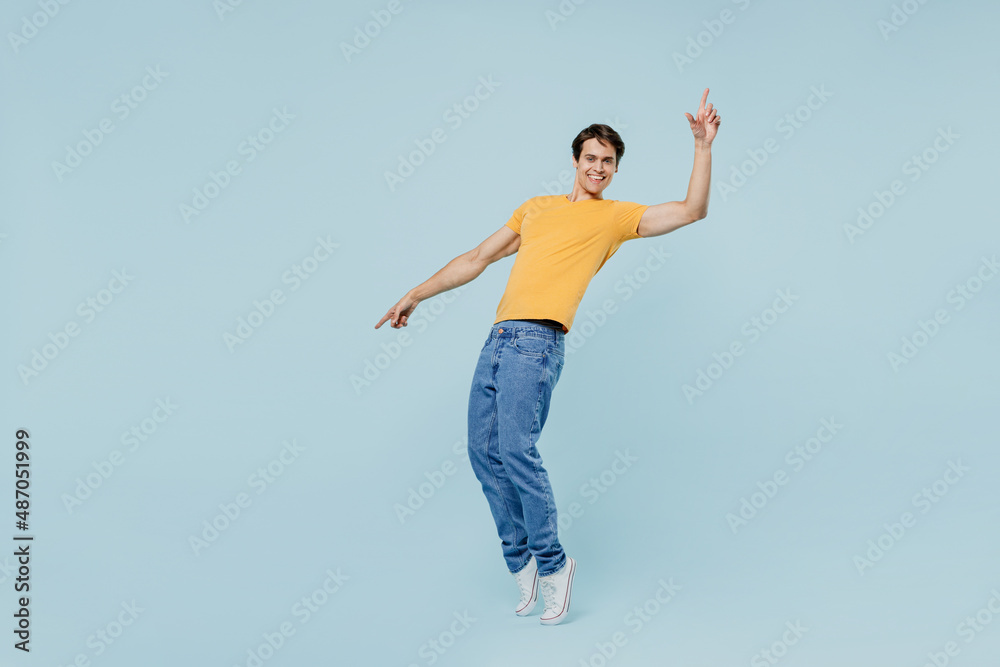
(562,241)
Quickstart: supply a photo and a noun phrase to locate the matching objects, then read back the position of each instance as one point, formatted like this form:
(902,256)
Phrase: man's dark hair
(602,133)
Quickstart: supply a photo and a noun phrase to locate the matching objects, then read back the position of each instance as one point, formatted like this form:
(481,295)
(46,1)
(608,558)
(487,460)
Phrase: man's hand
(400,313)
(707,123)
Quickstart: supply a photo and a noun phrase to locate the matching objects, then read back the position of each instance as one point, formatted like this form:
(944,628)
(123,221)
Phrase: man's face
(596,166)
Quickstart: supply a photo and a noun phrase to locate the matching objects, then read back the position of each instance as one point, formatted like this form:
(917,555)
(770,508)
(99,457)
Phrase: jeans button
(501,331)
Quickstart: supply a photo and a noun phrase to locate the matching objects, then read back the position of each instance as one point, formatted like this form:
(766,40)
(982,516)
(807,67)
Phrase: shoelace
(549,593)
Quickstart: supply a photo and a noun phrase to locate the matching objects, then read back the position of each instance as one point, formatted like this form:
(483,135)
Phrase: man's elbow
(693,212)
(699,213)
(473,257)
(478,260)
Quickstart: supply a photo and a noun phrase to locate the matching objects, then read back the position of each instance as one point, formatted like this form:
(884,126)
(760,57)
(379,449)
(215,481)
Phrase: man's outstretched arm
(663,218)
(463,269)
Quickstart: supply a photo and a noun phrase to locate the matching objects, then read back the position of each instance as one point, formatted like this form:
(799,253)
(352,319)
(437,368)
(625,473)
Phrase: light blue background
(365,447)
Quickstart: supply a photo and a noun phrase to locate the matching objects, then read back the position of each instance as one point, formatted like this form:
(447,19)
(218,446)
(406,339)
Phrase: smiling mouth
(599,179)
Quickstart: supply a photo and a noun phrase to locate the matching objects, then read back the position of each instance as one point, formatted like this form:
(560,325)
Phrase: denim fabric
(518,368)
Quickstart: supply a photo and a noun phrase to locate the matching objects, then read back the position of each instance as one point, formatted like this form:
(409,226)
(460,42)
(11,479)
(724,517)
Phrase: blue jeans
(518,368)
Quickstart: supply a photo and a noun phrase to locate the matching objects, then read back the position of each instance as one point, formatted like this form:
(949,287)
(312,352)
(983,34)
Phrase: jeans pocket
(531,346)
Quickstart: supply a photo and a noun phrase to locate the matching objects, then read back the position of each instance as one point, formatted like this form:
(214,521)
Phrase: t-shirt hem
(529,317)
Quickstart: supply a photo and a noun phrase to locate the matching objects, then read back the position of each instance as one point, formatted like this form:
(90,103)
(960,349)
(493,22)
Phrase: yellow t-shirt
(563,246)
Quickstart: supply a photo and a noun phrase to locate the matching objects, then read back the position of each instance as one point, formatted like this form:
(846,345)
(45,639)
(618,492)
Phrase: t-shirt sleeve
(518,217)
(627,217)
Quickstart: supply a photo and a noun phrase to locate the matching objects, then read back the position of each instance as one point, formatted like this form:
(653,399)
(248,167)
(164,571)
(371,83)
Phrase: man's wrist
(700,145)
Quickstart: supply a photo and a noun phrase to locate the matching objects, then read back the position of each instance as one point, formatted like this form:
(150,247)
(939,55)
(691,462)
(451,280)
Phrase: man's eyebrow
(607,157)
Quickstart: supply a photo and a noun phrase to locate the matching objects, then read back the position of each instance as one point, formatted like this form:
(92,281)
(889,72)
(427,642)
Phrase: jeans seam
(549,500)
(493,474)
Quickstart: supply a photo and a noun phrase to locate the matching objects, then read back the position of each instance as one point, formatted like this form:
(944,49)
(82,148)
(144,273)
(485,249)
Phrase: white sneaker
(527,582)
(556,589)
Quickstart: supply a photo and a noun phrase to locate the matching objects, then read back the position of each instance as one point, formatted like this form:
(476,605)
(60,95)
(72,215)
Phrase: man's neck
(576,196)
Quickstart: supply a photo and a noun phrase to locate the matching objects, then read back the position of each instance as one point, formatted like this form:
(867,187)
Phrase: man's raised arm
(663,218)
(463,269)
